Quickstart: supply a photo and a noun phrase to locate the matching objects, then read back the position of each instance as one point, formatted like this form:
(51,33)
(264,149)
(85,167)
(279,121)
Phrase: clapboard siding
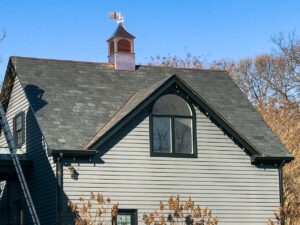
(42,177)
(17,103)
(41,180)
(221,178)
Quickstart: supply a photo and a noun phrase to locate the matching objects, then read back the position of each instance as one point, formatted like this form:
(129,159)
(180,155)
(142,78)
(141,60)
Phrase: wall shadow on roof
(35,96)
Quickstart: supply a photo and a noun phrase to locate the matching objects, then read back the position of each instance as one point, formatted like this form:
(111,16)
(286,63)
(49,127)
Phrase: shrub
(95,211)
(180,213)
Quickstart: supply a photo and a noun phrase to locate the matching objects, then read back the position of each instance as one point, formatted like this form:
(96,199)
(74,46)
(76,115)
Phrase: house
(137,134)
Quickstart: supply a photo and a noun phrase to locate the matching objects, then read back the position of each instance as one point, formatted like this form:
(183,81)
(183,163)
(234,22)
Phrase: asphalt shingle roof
(125,109)
(73,100)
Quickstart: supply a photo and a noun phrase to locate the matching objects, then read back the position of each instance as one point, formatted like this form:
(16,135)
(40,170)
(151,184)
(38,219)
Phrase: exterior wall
(3,203)
(221,178)
(15,200)
(10,202)
(18,103)
(41,179)
(122,60)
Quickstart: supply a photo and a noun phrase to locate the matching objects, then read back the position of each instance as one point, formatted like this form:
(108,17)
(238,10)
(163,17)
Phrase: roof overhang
(65,153)
(257,159)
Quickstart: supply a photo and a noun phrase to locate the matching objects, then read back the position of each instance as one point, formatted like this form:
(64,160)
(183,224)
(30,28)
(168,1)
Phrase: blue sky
(78,29)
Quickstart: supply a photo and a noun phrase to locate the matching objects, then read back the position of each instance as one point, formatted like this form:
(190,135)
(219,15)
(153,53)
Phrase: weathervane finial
(118,16)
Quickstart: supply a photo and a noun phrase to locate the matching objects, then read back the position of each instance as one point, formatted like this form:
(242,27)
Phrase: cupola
(121,49)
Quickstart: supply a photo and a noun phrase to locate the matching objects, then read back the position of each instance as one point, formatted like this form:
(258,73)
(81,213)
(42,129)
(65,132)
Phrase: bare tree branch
(2,35)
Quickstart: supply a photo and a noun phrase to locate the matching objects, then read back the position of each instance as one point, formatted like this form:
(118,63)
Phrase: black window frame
(172,117)
(15,131)
(133,215)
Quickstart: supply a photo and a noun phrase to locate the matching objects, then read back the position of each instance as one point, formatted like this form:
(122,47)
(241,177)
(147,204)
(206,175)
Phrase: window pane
(19,138)
(162,134)
(171,105)
(183,135)
(123,219)
(19,122)
(127,219)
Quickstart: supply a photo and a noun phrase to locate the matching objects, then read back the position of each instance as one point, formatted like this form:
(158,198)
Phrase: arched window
(172,127)
(124,46)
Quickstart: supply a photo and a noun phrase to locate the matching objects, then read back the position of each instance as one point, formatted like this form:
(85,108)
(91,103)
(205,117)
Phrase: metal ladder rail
(19,171)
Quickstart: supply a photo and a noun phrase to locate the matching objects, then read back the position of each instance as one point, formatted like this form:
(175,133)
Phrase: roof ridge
(59,60)
(107,63)
(182,68)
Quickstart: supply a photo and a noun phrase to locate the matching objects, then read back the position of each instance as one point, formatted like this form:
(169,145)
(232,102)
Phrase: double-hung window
(172,127)
(19,129)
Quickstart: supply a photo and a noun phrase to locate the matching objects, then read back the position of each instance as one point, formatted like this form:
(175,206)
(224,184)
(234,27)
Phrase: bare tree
(288,49)
(173,61)
(180,212)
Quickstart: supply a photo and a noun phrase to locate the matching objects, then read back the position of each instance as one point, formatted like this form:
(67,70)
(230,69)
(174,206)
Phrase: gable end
(199,102)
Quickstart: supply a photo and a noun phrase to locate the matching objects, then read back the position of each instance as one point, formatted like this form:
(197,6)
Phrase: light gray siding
(41,179)
(221,178)
(17,103)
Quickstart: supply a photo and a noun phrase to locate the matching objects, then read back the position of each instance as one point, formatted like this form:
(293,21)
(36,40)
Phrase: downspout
(59,187)
(281,191)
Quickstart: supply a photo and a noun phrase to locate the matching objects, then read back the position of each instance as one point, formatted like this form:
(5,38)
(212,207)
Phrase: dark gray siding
(41,179)
(221,178)
(3,203)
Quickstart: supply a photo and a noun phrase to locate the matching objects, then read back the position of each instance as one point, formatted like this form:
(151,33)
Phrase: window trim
(132,212)
(21,216)
(172,117)
(22,115)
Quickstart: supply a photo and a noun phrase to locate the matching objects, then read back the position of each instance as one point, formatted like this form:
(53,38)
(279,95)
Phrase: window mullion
(173,134)
(179,123)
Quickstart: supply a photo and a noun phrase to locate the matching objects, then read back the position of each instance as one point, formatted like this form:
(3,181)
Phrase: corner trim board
(59,188)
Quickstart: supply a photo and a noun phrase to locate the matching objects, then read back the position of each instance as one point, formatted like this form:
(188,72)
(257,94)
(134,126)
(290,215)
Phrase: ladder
(19,171)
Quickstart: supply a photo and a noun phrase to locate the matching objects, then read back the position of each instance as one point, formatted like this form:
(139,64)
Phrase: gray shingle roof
(130,105)
(73,100)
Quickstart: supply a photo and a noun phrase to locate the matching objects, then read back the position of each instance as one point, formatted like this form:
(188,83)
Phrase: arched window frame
(172,117)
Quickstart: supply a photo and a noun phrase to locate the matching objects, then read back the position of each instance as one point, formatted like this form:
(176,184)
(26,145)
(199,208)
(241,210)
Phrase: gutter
(73,153)
(271,159)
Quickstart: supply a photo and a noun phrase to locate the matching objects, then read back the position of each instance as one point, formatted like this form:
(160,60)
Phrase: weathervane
(118,16)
